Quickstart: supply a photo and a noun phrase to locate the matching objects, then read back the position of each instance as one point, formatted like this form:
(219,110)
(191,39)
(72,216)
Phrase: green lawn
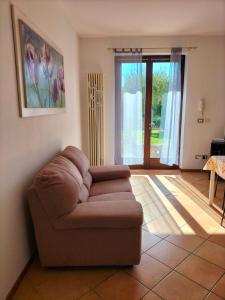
(155,137)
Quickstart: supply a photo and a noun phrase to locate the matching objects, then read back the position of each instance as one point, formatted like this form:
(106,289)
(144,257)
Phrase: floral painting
(43,72)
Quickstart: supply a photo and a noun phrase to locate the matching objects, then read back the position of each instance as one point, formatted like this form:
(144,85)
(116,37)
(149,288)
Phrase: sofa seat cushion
(112,196)
(110,186)
(104,214)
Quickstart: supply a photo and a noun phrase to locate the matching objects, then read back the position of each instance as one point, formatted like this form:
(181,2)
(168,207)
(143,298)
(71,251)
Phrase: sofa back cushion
(78,158)
(84,194)
(58,186)
(87,180)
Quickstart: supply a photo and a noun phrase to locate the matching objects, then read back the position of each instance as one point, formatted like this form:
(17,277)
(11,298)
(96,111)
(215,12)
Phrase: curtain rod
(189,48)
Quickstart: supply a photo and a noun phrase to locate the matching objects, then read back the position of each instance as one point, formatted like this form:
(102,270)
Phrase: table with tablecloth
(216,165)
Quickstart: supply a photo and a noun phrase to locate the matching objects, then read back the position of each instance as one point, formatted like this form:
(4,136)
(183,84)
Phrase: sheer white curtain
(129,119)
(170,114)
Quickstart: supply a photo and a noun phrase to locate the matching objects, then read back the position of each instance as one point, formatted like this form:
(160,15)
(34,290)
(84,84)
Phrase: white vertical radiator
(95,118)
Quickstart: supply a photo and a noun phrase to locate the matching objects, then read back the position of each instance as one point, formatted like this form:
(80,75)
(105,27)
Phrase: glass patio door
(156,91)
(139,134)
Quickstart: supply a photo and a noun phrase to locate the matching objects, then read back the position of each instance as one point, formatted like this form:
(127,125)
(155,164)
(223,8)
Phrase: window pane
(160,81)
(133,78)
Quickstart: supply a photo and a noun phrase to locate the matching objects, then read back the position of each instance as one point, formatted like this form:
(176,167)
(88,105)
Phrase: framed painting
(40,69)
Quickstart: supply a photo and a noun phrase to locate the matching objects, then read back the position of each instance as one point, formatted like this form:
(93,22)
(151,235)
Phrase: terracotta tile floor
(183,249)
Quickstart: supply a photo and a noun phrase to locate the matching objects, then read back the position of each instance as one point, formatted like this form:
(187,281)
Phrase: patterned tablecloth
(216,164)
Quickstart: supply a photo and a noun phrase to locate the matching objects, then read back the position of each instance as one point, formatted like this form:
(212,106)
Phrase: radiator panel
(95,118)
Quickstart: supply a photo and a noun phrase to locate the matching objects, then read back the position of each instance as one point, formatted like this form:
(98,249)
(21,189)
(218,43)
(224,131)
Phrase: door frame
(151,163)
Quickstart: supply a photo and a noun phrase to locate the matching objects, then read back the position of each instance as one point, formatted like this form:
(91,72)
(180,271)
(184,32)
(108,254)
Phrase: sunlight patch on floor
(176,205)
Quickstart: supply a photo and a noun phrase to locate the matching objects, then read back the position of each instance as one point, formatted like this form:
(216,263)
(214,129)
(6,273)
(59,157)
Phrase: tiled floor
(183,250)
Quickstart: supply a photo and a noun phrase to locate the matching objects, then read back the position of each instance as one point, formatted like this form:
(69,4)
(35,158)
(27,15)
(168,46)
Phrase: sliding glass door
(141,87)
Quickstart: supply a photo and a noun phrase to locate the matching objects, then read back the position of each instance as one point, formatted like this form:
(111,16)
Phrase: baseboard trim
(12,291)
(190,170)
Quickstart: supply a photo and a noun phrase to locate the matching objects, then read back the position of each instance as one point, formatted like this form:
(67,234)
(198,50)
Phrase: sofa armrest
(109,172)
(102,214)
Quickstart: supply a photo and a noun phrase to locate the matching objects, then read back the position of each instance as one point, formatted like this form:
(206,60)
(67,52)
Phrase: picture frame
(39,68)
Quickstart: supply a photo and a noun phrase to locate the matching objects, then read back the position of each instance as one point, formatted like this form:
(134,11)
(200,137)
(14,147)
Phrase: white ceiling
(101,18)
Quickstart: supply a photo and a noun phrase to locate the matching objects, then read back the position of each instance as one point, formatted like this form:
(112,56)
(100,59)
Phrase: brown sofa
(85,215)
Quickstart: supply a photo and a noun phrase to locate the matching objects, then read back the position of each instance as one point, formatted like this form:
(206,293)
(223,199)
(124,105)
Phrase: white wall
(27,144)
(205,77)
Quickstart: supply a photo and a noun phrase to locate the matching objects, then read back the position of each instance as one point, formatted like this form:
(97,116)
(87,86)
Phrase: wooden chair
(223,205)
